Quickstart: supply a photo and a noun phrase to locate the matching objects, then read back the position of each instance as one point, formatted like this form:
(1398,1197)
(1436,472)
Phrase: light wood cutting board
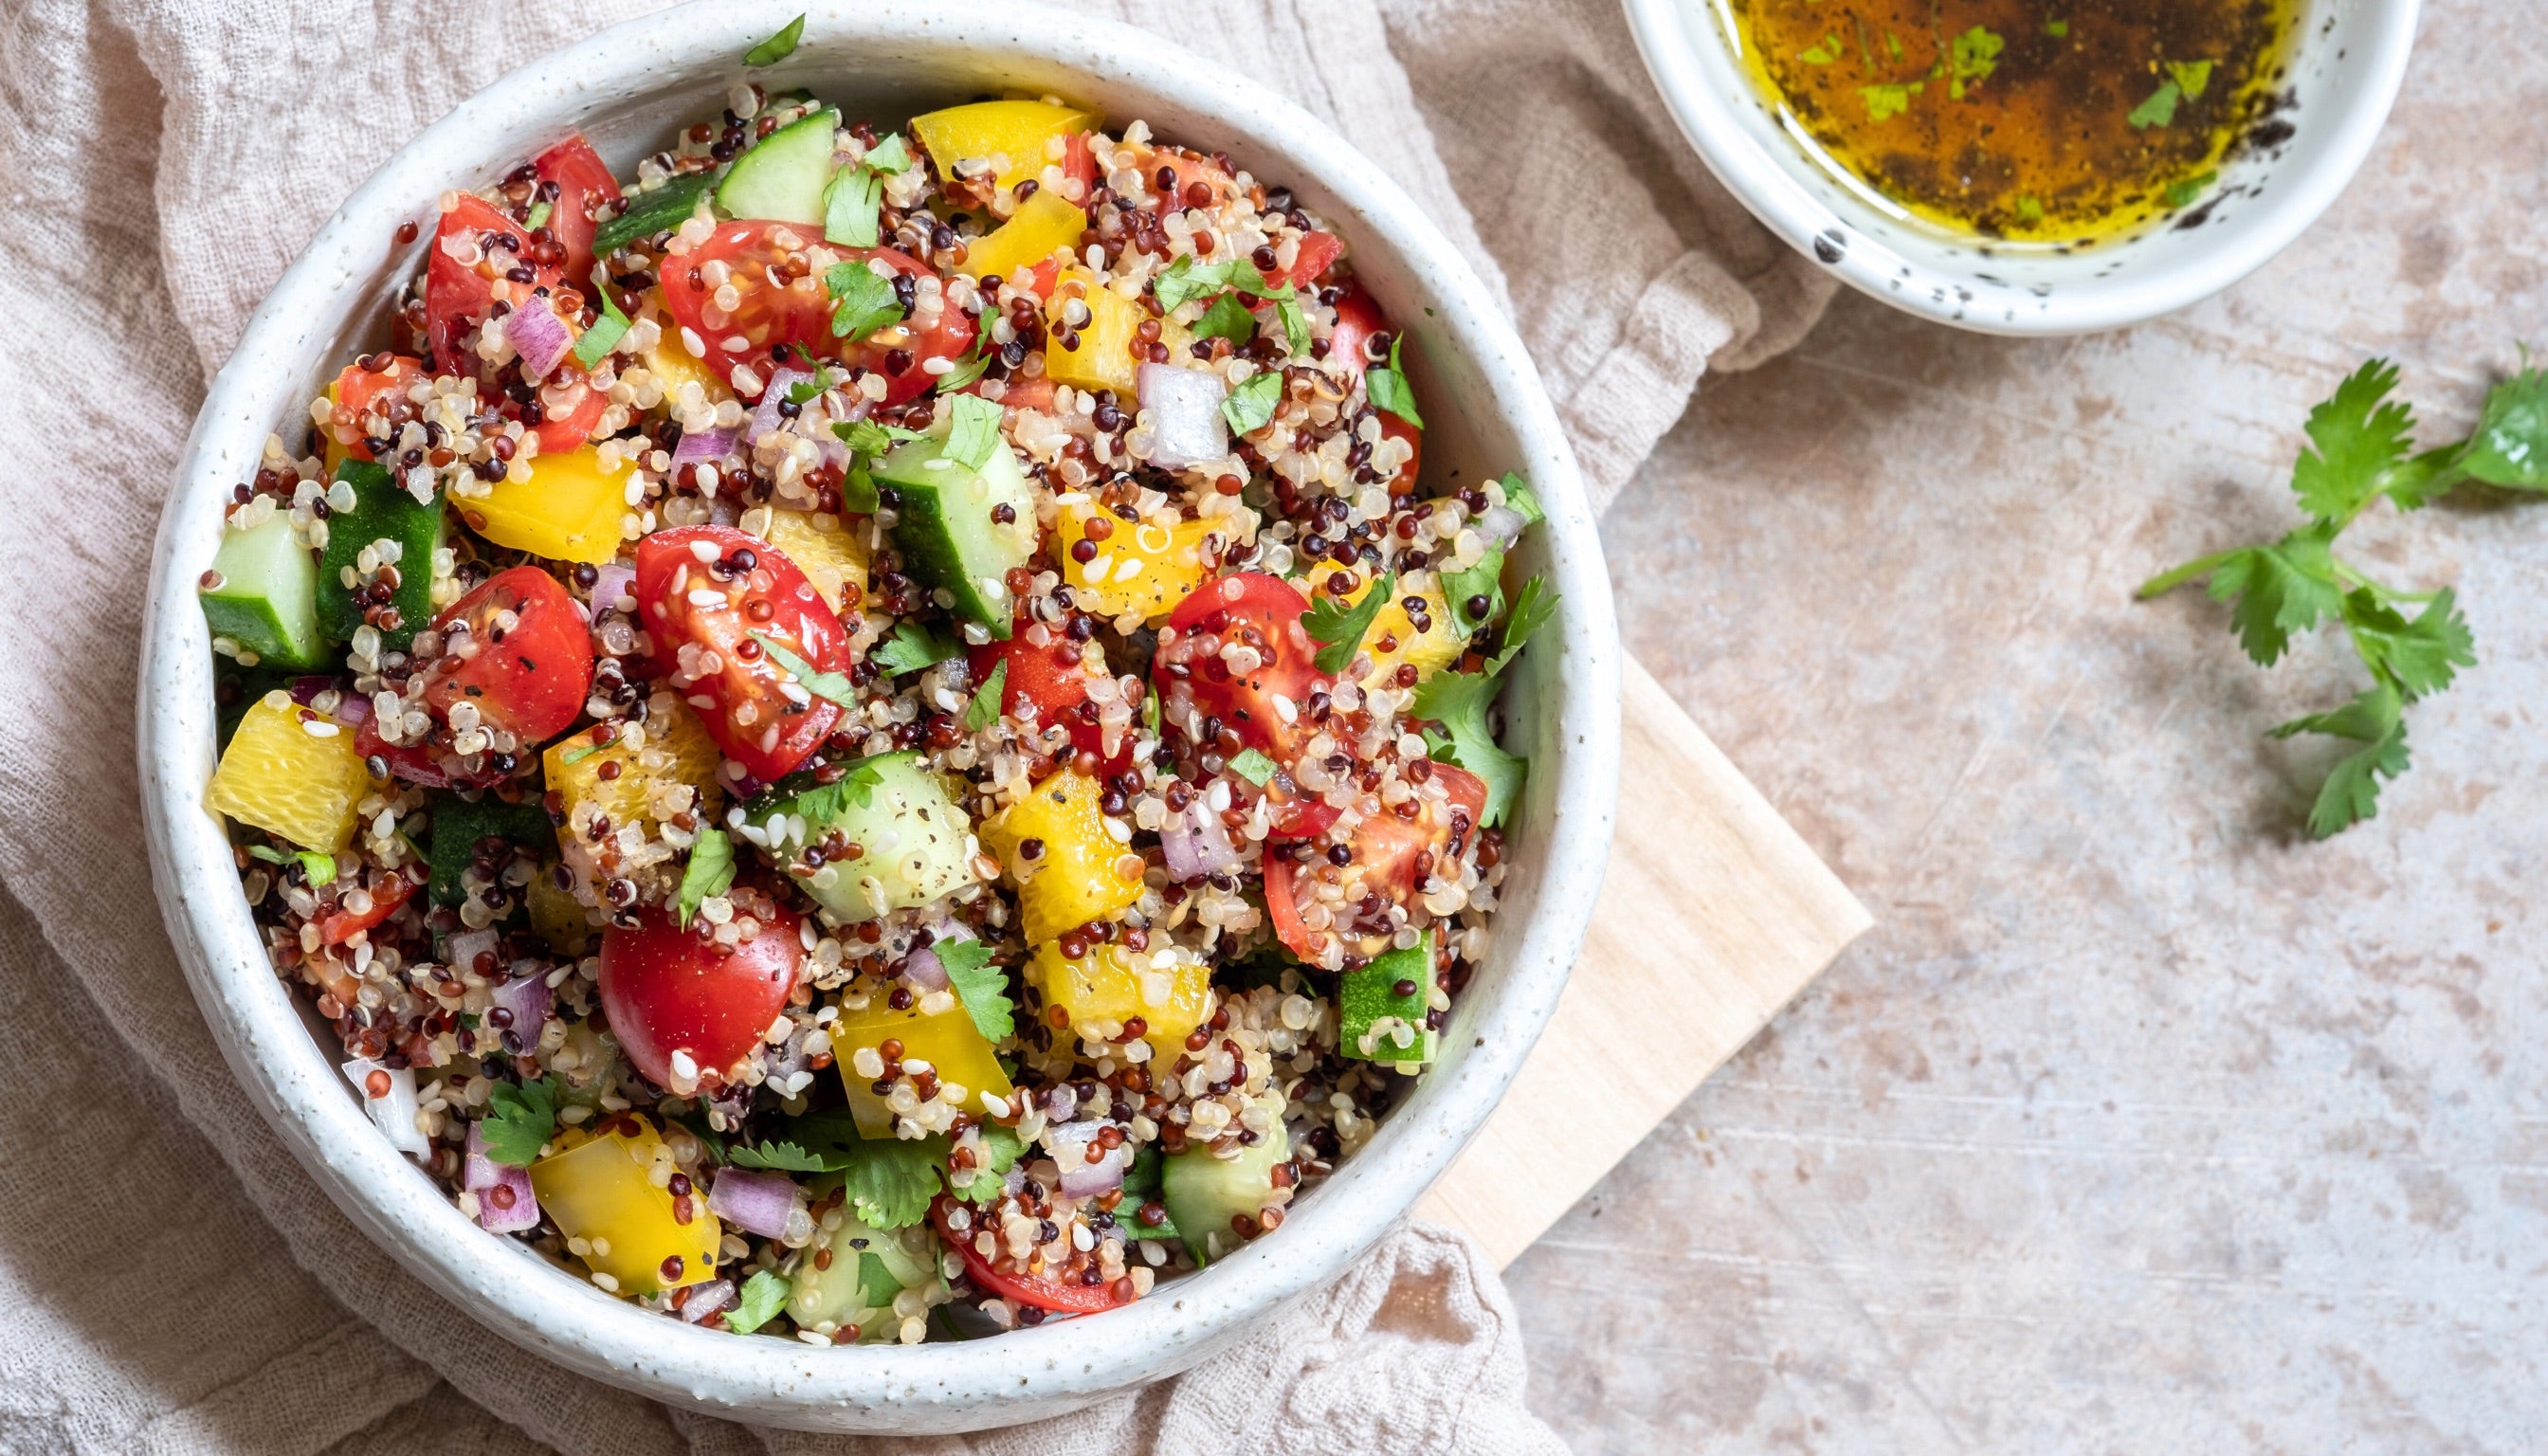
(1713,915)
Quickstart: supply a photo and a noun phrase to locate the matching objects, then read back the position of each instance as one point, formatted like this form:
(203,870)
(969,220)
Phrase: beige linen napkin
(177,1281)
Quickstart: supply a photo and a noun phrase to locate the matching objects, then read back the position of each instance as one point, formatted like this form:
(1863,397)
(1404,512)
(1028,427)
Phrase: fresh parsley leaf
(1229,319)
(1253,766)
(778,46)
(2510,445)
(1971,59)
(1459,702)
(1341,627)
(980,985)
(2158,109)
(968,373)
(1001,1150)
(911,646)
(2282,589)
(710,872)
(828,802)
(877,1284)
(830,686)
(519,1120)
(1521,498)
(2190,76)
(805,391)
(975,433)
(1252,402)
(862,302)
(1187,279)
(2351,793)
(870,438)
(1388,388)
(850,203)
(1463,587)
(859,493)
(2418,656)
(890,1180)
(889,155)
(817,1143)
(985,707)
(2184,190)
(1532,609)
(764,1295)
(606,331)
(1296,324)
(2358,434)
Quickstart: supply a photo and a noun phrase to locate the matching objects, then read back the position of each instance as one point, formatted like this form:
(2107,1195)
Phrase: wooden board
(1713,915)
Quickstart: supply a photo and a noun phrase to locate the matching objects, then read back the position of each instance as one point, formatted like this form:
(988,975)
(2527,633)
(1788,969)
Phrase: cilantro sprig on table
(2361,452)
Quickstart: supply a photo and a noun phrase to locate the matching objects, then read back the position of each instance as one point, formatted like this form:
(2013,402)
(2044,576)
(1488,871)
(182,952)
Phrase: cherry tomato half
(389,890)
(1055,681)
(1318,253)
(1358,317)
(359,389)
(769,313)
(583,182)
(1262,612)
(457,295)
(1387,855)
(668,989)
(706,594)
(530,677)
(1025,1288)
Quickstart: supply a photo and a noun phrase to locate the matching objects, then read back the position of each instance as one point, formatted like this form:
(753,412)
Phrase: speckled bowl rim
(2265,201)
(1469,362)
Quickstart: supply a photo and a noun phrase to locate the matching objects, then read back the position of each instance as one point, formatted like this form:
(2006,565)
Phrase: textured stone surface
(2139,1123)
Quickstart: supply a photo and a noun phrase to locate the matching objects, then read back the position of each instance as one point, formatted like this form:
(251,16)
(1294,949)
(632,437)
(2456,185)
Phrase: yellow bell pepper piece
(556,916)
(1080,876)
(568,508)
(1145,568)
(1044,224)
(603,1190)
(1013,132)
(1392,638)
(292,771)
(673,365)
(671,751)
(955,1049)
(1104,360)
(832,553)
(1170,990)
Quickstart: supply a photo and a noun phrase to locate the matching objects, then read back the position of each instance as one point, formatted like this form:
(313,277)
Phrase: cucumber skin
(458,826)
(382,508)
(277,619)
(1204,1193)
(906,791)
(665,208)
(929,529)
(783,178)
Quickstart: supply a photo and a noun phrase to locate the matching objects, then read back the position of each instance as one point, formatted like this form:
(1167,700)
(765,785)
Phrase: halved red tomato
(1057,689)
(388,890)
(525,664)
(708,595)
(1078,162)
(359,389)
(570,409)
(457,295)
(1318,253)
(1358,317)
(583,182)
(775,270)
(1025,1288)
(668,990)
(1388,856)
(1266,705)
(1187,169)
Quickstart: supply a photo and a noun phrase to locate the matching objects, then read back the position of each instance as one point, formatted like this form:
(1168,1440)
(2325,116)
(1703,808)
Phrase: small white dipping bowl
(2341,71)
(628,89)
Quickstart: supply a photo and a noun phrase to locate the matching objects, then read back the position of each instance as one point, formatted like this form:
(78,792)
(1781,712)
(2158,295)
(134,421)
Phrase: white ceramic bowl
(628,89)
(2343,74)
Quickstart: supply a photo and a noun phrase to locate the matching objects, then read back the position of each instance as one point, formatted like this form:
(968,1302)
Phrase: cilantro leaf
(891,154)
(2510,445)
(985,707)
(831,687)
(538,214)
(1971,57)
(2418,656)
(1227,319)
(1187,279)
(318,866)
(1888,100)
(1521,498)
(764,1295)
(868,437)
(968,373)
(519,1120)
(710,872)
(1459,702)
(1296,324)
(2158,109)
(2357,437)
(980,985)
(862,302)
(803,391)
(877,1284)
(912,647)
(1823,52)
(1252,402)
(849,201)
(1001,1150)
(2282,589)
(778,46)
(606,331)
(974,431)
(1463,587)
(2184,190)
(890,1180)
(1388,388)
(828,802)
(2351,793)
(818,1142)
(2190,76)
(1532,609)
(1253,766)
(1341,627)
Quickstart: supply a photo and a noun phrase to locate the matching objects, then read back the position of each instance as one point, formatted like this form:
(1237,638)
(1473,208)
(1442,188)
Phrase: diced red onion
(711,446)
(539,335)
(613,582)
(483,1175)
(353,709)
(707,1299)
(764,415)
(1502,525)
(1196,843)
(393,1111)
(924,969)
(756,1203)
(1186,428)
(1081,1178)
(530,1001)
(1062,1103)
(306,689)
(466,947)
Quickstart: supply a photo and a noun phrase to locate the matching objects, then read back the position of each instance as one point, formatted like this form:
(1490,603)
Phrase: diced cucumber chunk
(867,1270)
(783,177)
(950,531)
(1374,1022)
(1205,1193)
(665,208)
(268,597)
(459,825)
(383,512)
(915,846)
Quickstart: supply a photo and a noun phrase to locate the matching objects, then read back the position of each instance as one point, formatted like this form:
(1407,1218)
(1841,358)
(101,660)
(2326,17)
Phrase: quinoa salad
(868,734)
